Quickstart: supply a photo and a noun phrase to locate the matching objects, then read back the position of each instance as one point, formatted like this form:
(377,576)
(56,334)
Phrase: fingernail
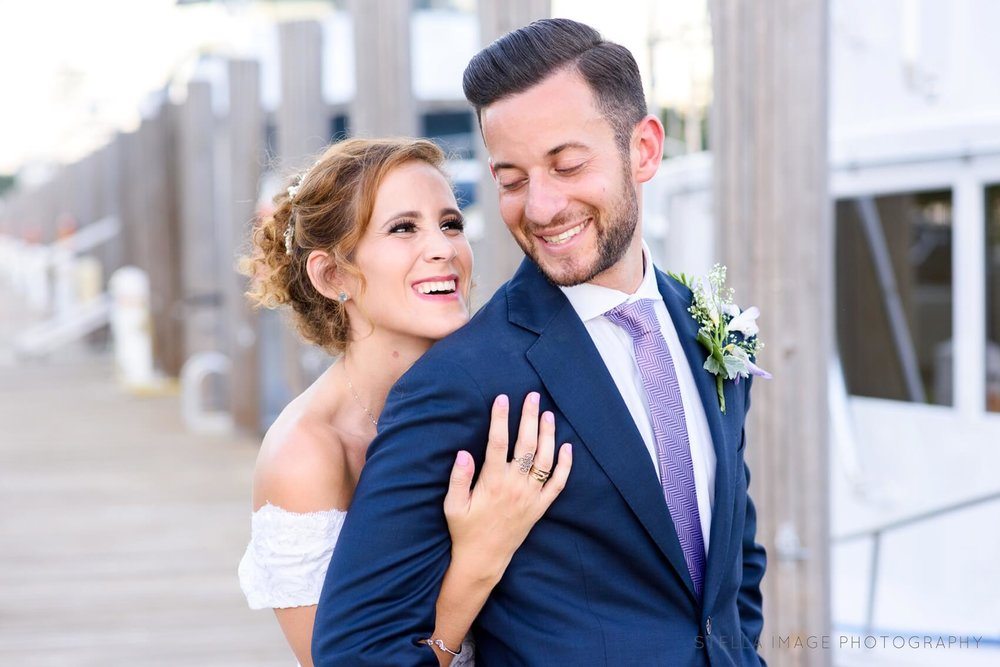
(549,418)
(534,397)
(464,458)
(568,447)
(502,400)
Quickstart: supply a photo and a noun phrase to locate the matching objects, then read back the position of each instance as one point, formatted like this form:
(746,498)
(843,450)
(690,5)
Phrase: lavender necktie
(666,410)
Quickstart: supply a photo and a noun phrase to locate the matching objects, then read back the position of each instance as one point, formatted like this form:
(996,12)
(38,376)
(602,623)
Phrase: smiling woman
(342,217)
(368,248)
(417,260)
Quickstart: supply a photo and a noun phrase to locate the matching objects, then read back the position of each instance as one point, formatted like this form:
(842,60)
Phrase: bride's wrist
(478,567)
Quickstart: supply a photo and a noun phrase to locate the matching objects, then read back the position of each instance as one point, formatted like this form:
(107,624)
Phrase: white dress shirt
(615,346)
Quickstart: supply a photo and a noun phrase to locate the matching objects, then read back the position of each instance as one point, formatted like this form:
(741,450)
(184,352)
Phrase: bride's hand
(489,523)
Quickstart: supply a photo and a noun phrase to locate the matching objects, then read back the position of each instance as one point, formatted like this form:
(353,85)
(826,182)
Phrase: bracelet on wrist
(438,644)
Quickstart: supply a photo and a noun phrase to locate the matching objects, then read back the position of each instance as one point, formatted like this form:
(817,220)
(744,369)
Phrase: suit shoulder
(487,324)
(487,342)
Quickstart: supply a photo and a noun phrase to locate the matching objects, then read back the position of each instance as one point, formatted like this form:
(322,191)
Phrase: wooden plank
(497,255)
(122,532)
(769,139)
(246,148)
(383,102)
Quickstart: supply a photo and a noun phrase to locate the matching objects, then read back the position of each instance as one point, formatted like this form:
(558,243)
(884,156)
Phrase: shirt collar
(590,301)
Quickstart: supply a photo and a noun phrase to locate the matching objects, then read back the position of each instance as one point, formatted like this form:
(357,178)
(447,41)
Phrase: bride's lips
(439,284)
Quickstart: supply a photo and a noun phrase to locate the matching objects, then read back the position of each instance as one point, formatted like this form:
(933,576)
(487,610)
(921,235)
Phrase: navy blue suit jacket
(601,579)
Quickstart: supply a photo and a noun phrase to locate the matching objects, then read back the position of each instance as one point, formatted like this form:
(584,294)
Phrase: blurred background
(842,157)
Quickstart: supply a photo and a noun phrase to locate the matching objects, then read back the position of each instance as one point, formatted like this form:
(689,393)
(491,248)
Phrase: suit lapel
(725,429)
(571,368)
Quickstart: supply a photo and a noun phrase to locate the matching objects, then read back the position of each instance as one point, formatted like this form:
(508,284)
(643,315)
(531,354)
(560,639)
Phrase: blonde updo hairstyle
(330,211)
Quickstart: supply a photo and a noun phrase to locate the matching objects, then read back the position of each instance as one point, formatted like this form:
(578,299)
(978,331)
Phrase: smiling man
(648,557)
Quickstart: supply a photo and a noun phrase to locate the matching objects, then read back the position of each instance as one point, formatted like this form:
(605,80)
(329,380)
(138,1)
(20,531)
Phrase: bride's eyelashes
(453,224)
(409,226)
(403,227)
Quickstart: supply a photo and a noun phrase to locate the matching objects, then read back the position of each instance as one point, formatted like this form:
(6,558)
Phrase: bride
(368,249)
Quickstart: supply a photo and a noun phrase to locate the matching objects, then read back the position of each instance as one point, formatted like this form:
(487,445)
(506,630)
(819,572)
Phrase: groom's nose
(545,200)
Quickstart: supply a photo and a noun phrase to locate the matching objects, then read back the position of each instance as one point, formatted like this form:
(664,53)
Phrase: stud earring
(342,297)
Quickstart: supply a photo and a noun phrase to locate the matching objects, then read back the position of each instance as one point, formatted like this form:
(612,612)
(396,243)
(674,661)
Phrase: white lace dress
(286,561)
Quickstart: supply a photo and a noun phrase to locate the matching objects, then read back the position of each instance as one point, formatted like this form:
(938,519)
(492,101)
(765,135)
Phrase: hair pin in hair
(293,190)
(289,236)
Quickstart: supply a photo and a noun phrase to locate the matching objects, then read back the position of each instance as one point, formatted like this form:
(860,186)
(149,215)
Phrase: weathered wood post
(200,258)
(136,241)
(245,138)
(383,100)
(769,140)
(302,130)
(497,255)
(160,211)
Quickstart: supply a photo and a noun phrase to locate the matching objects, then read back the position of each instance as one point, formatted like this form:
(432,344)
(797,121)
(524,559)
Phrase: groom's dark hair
(522,58)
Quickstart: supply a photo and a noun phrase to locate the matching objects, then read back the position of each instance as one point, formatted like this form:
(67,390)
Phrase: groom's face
(566,192)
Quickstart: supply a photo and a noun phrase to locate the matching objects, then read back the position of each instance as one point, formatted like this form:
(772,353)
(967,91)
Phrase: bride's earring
(342,297)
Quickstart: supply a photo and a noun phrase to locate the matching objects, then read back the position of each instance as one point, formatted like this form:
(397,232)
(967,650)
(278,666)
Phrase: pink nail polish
(464,459)
(549,419)
(534,397)
(502,400)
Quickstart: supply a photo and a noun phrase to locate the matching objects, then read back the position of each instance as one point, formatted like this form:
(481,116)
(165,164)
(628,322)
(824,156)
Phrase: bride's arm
(489,523)
(297,626)
(301,470)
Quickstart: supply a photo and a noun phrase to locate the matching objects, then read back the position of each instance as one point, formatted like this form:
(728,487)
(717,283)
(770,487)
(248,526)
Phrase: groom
(648,557)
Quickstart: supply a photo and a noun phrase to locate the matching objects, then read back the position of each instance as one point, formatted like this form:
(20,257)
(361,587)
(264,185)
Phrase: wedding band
(524,462)
(539,474)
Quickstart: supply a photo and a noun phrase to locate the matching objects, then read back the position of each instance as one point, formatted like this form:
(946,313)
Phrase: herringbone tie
(666,410)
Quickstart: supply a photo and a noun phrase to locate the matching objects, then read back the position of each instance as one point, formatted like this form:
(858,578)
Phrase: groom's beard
(614,235)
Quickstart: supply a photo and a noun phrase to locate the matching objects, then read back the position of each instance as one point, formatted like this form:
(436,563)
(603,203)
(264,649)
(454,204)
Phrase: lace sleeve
(286,561)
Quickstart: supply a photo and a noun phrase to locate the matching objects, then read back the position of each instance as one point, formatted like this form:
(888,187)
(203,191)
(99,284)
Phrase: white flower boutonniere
(729,334)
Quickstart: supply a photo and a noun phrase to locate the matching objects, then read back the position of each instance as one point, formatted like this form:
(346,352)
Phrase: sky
(74,72)
(70,72)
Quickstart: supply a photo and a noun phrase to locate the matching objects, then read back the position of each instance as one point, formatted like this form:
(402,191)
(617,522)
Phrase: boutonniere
(729,334)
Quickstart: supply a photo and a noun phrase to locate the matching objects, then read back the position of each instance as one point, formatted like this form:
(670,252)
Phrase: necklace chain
(357,399)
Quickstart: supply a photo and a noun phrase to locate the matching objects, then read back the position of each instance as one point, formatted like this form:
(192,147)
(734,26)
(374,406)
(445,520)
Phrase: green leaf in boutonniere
(683,279)
(727,333)
(706,341)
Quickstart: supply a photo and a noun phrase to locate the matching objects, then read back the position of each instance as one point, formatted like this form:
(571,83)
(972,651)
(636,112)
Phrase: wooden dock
(120,532)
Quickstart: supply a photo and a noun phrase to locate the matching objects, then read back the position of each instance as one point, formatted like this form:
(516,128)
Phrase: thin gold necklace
(357,398)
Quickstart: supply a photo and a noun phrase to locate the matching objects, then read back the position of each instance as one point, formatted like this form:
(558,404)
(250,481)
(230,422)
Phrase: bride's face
(415,257)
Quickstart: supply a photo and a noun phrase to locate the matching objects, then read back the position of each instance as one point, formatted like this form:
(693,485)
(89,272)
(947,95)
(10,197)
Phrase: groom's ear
(647,148)
(323,274)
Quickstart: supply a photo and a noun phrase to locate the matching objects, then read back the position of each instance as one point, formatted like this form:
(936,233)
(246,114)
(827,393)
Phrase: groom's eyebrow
(552,152)
(562,147)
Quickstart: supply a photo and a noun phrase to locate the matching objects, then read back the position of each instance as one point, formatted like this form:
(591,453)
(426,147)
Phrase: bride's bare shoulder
(302,465)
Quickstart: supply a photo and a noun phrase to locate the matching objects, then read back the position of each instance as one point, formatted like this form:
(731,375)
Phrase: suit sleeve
(749,601)
(386,571)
